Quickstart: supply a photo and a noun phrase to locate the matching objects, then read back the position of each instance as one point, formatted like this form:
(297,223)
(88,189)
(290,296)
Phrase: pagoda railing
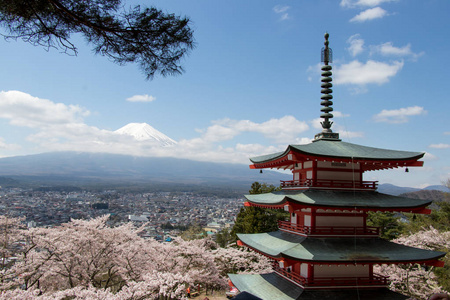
(375,280)
(328,230)
(331,183)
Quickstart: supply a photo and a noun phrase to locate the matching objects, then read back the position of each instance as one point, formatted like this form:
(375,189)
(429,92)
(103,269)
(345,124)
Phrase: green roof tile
(340,149)
(350,199)
(266,286)
(272,286)
(343,250)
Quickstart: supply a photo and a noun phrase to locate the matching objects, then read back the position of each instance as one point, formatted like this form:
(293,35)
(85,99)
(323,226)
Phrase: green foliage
(258,188)
(167,225)
(390,225)
(224,237)
(255,219)
(440,220)
(194,232)
(157,41)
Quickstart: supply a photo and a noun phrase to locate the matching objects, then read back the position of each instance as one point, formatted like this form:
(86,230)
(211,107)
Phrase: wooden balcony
(332,282)
(329,230)
(330,184)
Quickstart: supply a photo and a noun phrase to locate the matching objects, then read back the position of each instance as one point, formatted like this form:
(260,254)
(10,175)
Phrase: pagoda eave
(337,200)
(275,286)
(295,206)
(435,262)
(336,151)
(283,245)
(430,262)
(288,162)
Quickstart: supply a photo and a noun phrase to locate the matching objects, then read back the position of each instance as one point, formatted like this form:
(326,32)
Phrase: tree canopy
(256,219)
(155,40)
(86,259)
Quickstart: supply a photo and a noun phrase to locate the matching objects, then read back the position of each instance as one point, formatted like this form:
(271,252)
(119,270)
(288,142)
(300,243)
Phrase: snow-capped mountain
(145,132)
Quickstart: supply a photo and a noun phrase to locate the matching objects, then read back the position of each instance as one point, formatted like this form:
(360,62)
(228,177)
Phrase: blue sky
(251,85)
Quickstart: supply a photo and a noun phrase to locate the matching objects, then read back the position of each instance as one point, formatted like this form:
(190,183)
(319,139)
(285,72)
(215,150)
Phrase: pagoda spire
(327,57)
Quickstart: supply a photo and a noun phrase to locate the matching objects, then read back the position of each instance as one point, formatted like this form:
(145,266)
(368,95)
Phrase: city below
(164,213)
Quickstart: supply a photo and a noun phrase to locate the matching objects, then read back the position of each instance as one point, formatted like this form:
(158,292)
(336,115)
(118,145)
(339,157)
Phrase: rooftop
(369,200)
(274,286)
(280,244)
(336,150)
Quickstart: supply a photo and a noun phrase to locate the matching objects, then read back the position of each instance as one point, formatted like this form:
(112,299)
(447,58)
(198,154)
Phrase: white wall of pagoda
(340,221)
(338,165)
(341,271)
(327,170)
(294,218)
(304,270)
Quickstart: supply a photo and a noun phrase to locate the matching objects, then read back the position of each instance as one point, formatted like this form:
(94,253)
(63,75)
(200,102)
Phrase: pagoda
(326,250)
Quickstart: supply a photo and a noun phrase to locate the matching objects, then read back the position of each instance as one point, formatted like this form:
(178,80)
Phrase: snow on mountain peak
(145,132)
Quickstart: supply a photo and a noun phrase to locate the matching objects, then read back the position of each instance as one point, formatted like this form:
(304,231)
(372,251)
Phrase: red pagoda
(326,250)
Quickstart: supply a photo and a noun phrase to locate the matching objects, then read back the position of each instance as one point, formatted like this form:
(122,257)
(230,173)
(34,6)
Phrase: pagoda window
(307,220)
(304,270)
(294,218)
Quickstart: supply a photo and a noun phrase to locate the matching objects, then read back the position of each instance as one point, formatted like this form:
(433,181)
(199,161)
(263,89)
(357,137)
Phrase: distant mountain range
(90,169)
(101,168)
(391,189)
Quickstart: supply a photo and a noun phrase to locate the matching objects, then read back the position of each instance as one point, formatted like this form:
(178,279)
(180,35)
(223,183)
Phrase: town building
(326,250)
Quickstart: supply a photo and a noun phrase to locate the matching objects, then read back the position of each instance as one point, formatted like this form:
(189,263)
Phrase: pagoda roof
(370,200)
(280,244)
(273,286)
(266,286)
(336,149)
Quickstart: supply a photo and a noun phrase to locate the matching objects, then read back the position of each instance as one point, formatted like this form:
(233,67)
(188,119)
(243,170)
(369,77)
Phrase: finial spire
(327,57)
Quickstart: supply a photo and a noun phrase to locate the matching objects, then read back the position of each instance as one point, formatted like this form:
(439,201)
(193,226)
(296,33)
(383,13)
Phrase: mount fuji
(145,132)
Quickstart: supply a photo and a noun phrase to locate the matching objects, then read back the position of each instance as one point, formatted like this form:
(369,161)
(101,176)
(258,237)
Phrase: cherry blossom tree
(241,260)
(86,259)
(414,280)
(11,236)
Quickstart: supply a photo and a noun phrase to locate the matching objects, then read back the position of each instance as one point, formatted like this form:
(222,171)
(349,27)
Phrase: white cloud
(344,134)
(440,146)
(447,133)
(282,130)
(363,3)
(5,146)
(369,14)
(388,49)
(302,141)
(282,11)
(358,73)
(399,115)
(428,156)
(338,114)
(141,98)
(60,127)
(356,45)
(22,109)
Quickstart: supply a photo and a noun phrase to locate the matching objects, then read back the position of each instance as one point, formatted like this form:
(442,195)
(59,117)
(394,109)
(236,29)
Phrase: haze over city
(250,87)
